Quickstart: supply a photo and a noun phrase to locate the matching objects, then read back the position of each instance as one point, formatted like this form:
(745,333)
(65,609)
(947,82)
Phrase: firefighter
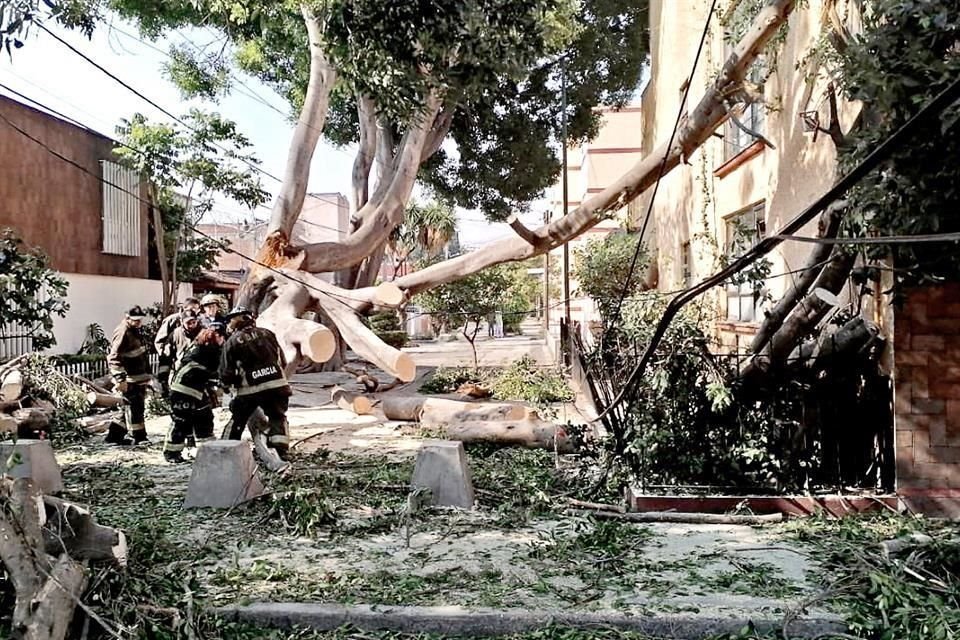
(211,311)
(130,368)
(253,363)
(193,392)
(184,335)
(163,342)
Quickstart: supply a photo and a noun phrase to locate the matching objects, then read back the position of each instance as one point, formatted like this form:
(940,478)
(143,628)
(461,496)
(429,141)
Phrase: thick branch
(378,217)
(313,116)
(438,133)
(366,113)
(806,316)
(522,230)
(709,113)
(828,227)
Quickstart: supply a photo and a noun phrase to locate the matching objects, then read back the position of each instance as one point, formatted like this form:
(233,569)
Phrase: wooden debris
(353,402)
(72,528)
(48,587)
(11,385)
(676,516)
(474,390)
(105,400)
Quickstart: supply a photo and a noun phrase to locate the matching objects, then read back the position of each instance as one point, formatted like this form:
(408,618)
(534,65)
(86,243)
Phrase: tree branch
(522,230)
(828,227)
(709,113)
(313,116)
(366,114)
(378,218)
(438,133)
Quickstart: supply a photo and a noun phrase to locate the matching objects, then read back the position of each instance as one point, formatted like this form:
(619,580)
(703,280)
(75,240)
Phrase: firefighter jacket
(129,357)
(196,372)
(179,343)
(163,340)
(252,362)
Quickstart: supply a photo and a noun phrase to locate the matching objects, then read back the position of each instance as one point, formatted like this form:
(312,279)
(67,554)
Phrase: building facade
(591,167)
(92,222)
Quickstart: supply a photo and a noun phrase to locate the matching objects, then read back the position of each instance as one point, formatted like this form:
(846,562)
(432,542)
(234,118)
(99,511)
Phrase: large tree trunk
(306,134)
(385,208)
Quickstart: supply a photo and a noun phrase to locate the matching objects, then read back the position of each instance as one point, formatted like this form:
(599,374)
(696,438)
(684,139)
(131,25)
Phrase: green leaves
(31,293)
(601,268)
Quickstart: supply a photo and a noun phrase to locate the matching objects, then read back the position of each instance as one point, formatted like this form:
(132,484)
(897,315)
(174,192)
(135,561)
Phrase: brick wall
(927,399)
(52,204)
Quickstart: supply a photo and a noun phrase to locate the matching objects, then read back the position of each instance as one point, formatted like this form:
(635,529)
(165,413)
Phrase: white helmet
(210,298)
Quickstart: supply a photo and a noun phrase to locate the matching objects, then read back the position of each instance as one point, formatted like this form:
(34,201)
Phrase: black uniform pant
(274,403)
(133,410)
(191,417)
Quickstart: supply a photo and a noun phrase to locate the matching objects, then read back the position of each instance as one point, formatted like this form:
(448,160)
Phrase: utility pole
(566,245)
(546,284)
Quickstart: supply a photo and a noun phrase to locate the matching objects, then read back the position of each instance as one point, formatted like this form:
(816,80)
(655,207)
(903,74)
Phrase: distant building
(325,217)
(91,222)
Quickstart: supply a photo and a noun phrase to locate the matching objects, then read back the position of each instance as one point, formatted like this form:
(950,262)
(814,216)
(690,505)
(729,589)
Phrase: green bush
(525,380)
(449,379)
(387,327)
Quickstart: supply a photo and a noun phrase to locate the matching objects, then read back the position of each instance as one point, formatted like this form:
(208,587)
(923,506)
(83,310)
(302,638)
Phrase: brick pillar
(927,400)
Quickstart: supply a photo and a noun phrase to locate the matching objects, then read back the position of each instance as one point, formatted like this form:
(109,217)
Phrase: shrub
(387,327)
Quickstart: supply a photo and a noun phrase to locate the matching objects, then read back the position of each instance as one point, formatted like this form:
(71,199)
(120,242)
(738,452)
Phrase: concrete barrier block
(224,475)
(442,468)
(32,459)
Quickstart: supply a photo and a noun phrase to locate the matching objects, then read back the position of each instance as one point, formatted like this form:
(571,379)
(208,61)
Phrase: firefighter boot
(173,457)
(117,434)
(140,436)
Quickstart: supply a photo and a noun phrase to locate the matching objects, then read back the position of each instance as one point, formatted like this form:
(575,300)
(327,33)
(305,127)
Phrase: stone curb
(455,620)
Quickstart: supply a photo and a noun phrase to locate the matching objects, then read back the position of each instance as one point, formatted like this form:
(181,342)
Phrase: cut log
(99,424)
(354,402)
(530,434)
(387,294)
(11,386)
(692,518)
(103,399)
(73,529)
(441,410)
(7,424)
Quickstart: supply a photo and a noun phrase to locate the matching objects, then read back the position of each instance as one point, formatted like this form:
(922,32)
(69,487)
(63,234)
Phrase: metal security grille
(121,210)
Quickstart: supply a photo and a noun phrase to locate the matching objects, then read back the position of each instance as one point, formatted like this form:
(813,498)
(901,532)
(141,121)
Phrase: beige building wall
(591,167)
(696,200)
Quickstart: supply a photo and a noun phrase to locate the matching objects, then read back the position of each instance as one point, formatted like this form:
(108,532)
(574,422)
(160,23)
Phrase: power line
(163,110)
(663,163)
(953,236)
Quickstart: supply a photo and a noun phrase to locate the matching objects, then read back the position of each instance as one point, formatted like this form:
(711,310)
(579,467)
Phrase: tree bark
(414,408)
(159,233)
(704,119)
(353,402)
(530,434)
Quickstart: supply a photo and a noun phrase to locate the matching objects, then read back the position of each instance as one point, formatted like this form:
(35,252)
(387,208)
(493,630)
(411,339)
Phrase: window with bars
(752,115)
(744,292)
(121,210)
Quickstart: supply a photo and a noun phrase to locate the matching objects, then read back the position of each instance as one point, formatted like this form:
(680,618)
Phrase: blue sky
(50,73)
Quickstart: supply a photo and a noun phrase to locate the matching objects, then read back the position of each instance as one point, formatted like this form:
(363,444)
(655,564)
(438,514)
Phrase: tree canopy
(499,63)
